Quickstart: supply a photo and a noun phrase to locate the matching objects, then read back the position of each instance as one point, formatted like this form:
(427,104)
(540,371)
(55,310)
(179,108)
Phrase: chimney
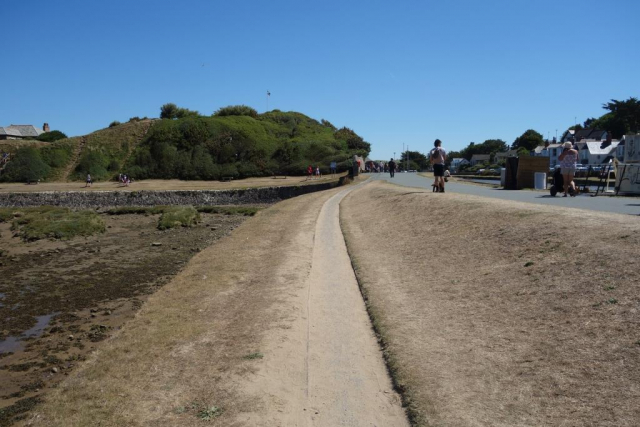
(45,127)
(609,137)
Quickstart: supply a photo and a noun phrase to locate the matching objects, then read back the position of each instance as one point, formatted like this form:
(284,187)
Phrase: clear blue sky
(395,72)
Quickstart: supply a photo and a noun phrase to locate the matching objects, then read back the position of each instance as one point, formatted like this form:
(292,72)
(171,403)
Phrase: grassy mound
(228,144)
(52,222)
(240,146)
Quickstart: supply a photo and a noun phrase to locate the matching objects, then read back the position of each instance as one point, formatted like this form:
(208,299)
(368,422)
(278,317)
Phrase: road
(621,205)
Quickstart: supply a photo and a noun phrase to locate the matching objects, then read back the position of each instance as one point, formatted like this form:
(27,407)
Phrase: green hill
(192,147)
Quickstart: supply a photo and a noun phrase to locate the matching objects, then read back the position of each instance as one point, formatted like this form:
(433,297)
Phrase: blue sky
(395,72)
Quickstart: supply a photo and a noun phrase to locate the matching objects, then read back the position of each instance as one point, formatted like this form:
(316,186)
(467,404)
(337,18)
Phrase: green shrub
(114,124)
(57,155)
(229,170)
(25,166)
(92,162)
(236,110)
(52,136)
(56,223)
(178,216)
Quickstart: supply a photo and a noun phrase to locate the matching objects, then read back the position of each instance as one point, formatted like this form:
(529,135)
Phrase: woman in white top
(568,160)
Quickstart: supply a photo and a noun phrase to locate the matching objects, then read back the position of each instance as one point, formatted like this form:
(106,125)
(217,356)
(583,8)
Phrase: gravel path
(621,205)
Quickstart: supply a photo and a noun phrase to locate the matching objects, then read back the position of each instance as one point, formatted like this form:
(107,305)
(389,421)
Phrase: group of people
(437,158)
(124,180)
(313,172)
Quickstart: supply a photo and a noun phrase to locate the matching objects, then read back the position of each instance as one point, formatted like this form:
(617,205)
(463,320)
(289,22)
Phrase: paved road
(621,205)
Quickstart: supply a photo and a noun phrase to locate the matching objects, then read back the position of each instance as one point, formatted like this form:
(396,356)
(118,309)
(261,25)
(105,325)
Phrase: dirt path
(75,156)
(328,369)
(264,328)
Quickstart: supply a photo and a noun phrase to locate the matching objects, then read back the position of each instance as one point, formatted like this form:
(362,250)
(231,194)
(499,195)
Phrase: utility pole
(402,149)
(407,160)
(268,95)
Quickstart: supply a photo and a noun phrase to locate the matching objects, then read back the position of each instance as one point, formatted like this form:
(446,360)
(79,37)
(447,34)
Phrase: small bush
(114,124)
(52,136)
(178,216)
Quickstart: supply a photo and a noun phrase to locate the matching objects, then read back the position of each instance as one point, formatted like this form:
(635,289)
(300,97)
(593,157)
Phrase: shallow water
(13,343)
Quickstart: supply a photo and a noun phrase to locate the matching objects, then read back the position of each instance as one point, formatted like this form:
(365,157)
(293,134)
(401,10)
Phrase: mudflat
(498,313)
(60,298)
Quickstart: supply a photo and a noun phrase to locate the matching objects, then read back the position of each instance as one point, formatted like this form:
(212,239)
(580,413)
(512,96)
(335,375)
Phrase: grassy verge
(391,362)
(52,222)
(496,313)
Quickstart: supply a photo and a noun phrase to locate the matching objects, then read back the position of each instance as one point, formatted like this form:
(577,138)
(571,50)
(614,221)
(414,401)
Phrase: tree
(328,124)
(490,146)
(624,117)
(528,140)
(354,141)
(415,157)
(26,166)
(287,153)
(169,111)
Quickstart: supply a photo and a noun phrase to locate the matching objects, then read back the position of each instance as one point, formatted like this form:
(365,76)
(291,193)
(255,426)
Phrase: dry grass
(161,185)
(496,313)
(179,362)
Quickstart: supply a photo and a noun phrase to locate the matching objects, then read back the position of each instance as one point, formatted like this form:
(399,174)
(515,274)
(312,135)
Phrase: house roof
(459,160)
(595,134)
(599,147)
(21,130)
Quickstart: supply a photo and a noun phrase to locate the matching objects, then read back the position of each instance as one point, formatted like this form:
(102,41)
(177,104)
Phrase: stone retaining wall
(103,199)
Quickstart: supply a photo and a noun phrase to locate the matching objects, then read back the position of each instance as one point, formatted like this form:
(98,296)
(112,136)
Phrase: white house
(457,162)
(598,152)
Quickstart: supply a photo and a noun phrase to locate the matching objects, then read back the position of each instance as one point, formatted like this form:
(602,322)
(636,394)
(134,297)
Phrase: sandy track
(280,288)
(327,370)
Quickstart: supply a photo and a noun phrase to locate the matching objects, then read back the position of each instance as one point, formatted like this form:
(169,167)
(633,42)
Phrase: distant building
(598,152)
(480,158)
(457,162)
(505,154)
(22,131)
(585,134)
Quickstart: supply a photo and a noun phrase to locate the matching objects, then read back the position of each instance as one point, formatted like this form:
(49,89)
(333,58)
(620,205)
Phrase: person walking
(568,160)
(310,172)
(438,157)
(88,182)
(392,168)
